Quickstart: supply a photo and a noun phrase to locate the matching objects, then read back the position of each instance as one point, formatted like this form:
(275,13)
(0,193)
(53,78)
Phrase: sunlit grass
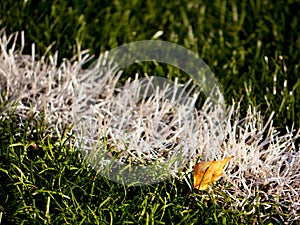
(251,47)
(234,39)
(46,182)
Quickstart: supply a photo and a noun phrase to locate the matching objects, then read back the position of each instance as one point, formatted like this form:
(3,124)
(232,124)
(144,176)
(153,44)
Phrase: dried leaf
(208,172)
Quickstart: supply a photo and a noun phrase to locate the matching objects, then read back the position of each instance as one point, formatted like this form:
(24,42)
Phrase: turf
(242,43)
(44,181)
(251,46)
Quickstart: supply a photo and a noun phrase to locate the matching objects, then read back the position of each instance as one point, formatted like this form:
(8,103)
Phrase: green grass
(47,183)
(43,180)
(232,38)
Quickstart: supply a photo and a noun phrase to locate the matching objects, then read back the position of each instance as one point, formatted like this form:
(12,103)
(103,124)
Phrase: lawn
(250,46)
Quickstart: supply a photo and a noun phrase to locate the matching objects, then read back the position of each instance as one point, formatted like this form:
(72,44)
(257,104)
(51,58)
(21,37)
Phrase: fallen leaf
(208,172)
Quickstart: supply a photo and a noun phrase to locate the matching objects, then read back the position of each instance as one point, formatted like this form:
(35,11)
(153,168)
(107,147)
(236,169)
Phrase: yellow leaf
(208,172)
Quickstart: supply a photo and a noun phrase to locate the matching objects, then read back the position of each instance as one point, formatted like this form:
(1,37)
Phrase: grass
(234,39)
(46,182)
(251,46)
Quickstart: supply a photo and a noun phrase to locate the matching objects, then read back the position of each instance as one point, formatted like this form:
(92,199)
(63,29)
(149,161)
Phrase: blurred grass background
(247,44)
(252,47)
